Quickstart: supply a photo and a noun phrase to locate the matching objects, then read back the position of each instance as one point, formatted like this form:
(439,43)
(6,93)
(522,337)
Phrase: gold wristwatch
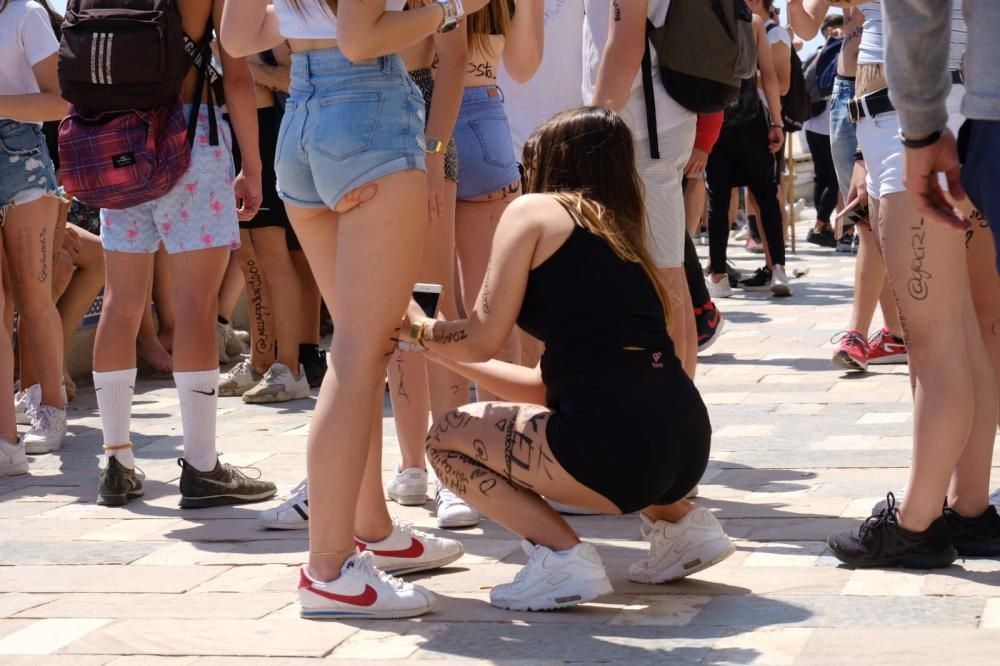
(433,146)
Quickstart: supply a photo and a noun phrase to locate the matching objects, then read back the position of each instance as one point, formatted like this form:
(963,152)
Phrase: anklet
(117,447)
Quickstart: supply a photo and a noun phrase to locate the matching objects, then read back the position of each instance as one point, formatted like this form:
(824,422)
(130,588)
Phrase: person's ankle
(913,523)
(968,506)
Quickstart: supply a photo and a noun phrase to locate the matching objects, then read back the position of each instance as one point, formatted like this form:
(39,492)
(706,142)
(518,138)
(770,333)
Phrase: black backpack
(795,105)
(820,72)
(122,54)
(704,49)
(745,108)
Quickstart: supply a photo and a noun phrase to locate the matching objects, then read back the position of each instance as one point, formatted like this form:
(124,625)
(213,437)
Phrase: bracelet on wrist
(922,142)
(859,156)
(778,125)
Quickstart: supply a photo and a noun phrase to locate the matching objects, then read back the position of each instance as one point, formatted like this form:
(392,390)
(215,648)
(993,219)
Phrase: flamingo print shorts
(199,213)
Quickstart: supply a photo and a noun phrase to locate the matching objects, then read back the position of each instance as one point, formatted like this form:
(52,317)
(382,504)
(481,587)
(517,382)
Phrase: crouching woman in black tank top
(622,428)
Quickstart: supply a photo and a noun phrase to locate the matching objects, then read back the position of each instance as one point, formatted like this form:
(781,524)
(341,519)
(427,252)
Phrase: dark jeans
(825,179)
(741,157)
(980,144)
(692,270)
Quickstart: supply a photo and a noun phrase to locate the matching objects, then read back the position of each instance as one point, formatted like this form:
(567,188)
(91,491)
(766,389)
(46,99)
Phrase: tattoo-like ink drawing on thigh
(401,388)
(261,313)
(453,478)
(486,289)
(43,268)
(919,282)
(480,448)
(451,421)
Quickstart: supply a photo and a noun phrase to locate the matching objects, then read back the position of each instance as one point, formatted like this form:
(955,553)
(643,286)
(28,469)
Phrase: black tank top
(584,301)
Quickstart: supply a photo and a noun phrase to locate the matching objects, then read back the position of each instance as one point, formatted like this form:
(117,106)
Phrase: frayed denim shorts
(486,160)
(26,171)
(345,125)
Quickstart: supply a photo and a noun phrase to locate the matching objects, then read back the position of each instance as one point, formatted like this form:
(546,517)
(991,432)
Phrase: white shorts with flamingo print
(199,213)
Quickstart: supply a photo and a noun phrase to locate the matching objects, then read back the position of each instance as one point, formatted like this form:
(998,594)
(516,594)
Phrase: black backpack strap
(647,89)
(201,58)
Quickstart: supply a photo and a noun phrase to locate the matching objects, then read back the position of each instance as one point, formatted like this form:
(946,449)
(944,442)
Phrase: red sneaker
(886,349)
(852,354)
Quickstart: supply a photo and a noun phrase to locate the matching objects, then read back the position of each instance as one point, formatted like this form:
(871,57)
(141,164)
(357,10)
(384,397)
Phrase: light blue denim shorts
(486,160)
(26,172)
(346,124)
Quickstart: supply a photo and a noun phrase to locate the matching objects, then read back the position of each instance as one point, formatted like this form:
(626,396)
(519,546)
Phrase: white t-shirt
(774,35)
(669,114)
(26,39)
(556,85)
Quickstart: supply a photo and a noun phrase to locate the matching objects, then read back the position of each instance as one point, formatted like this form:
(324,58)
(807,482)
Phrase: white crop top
(314,19)
(872,49)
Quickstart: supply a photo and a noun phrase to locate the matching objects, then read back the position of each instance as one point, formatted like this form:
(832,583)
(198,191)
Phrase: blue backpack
(820,74)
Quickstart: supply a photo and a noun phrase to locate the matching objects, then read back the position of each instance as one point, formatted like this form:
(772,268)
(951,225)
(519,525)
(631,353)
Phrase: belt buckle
(854,110)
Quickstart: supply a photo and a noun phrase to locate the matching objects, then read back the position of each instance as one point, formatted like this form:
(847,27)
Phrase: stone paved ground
(800,449)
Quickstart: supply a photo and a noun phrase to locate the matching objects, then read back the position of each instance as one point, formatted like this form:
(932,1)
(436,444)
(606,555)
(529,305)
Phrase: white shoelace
(365,563)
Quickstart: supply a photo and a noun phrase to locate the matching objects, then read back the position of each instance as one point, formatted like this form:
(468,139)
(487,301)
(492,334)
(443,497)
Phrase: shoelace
(244,368)
(407,526)
(300,489)
(885,517)
(237,469)
(447,498)
(850,339)
(365,563)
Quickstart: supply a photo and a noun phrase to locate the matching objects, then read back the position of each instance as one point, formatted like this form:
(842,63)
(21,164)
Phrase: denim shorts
(346,124)
(26,171)
(486,160)
(979,145)
(843,138)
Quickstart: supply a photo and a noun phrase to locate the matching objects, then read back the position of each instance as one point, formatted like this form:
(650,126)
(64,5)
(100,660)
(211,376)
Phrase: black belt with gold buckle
(873,105)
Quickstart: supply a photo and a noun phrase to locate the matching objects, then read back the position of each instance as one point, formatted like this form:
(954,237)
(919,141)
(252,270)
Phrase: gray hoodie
(917,40)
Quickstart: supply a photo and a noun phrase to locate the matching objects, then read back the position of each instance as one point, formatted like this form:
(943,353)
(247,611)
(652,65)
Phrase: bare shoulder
(539,212)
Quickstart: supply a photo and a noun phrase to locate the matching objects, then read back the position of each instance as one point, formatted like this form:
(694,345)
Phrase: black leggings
(692,270)
(825,186)
(741,157)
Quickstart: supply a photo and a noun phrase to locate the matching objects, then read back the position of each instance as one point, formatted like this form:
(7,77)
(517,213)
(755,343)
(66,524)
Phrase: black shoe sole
(978,549)
(117,500)
(223,500)
(940,560)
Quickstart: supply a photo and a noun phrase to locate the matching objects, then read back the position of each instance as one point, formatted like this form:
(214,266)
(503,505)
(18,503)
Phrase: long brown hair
(492,19)
(585,159)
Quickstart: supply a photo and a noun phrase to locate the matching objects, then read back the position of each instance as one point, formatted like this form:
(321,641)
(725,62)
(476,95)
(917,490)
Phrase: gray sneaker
(279,385)
(224,485)
(240,379)
(48,429)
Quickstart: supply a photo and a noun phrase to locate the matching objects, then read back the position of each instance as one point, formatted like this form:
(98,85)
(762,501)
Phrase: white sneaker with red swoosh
(407,550)
(361,591)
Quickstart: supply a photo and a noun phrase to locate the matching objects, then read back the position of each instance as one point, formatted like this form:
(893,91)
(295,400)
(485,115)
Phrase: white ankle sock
(114,402)
(199,397)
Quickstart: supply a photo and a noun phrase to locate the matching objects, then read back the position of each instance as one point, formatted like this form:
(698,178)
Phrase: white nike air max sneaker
(278,385)
(680,549)
(408,550)
(409,487)
(240,379)
(292,514)
(553,580)
(361,591)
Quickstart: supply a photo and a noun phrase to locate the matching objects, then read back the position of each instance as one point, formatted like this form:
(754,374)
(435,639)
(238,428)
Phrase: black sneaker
(223,485)
(118,484)
(975,537)
(313,360)
(845,245)
(823,237)
(760,280)
(882,542)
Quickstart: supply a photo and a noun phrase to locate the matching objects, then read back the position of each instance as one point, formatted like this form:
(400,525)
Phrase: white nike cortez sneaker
(409,487)
(553,580)
(408,550)
(452,511)
(361,591)
(292,514)
(680,549)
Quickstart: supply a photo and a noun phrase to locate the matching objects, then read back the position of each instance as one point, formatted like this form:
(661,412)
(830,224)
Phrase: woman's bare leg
(233,282)
(163,297)
(496,457)
(8,427)
(283,288)
(125,298)
(87,281)
(310,297)
(377,243)
(259,302)
(985,285)
(148,345)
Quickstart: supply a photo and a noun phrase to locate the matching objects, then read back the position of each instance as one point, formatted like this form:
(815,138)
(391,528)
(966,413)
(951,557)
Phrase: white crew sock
(114,402)
(199,397)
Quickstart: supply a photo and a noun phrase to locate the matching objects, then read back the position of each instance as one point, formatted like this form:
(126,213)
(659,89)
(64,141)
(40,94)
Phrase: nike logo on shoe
(209,393)
(415,549)
(366,598)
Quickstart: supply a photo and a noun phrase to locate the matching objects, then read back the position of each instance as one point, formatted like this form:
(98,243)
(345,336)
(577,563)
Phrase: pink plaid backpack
(125,140)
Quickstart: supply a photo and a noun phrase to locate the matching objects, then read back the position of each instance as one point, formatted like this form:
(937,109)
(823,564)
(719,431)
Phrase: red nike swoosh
(416,549)
(366,598)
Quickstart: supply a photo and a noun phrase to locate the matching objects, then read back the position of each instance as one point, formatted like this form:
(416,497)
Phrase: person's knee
(194,305)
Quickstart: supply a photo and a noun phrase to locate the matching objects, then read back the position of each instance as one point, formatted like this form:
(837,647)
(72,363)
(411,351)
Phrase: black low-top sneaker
(882,542)
(314,363)
(224,485)
(975,537)
(118,484)
(759,281)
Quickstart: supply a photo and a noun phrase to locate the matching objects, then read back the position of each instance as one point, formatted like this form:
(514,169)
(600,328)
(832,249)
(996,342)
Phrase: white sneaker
(742,233)
(720,289)
(407,550)
(279,385)
(554,580)
(240,379)
(221,340)
(237,342)
(680,549)
(48,429)
(779,282)
(292,514)
(361,591)
(570,510)
(25,402)
(409,487)
(694,493)
(13,460)
(452,512)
